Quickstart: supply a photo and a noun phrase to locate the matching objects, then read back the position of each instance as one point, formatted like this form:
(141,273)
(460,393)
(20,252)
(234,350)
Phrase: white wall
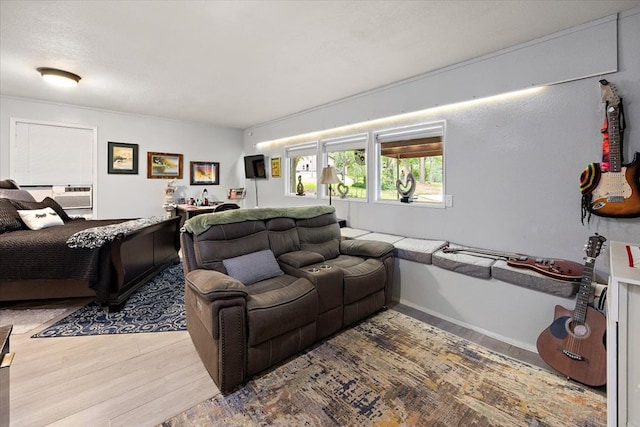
(128,196)
(513,168)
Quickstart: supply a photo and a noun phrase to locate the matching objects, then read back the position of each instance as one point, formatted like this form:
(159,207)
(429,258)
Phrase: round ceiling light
(59,77)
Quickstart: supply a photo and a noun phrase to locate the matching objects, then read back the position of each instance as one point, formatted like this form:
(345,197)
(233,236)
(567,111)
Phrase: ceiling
(243,63)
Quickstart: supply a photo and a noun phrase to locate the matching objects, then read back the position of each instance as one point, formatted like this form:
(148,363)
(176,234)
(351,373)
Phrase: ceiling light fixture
(59,77)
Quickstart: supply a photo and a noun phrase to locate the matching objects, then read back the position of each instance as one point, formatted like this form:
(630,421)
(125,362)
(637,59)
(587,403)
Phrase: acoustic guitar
(616,192)
(574,343)
(558,269)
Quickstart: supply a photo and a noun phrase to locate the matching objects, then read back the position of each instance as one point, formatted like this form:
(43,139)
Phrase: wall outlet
(448,200)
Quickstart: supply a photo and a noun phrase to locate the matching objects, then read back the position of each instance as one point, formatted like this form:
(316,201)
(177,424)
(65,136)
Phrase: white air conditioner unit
(73,196)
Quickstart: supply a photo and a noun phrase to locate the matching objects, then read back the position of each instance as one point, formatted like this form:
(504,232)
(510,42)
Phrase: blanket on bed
(96,237)
(43,254)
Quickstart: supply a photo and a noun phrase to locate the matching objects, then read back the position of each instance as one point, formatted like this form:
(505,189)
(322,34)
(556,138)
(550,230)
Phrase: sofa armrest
(299,259)
(212,285)
(365,248)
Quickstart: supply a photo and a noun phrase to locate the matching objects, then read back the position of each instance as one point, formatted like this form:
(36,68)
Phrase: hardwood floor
(133,379)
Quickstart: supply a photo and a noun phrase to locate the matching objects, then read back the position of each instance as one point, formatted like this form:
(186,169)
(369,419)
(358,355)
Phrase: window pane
(352,170)
(423,158)
(427,172)
(302,170)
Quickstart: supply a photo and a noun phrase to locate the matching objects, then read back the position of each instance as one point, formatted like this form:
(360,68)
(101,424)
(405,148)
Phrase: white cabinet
(623,339)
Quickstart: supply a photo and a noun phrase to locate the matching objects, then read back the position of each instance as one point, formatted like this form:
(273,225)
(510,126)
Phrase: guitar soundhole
(578,330)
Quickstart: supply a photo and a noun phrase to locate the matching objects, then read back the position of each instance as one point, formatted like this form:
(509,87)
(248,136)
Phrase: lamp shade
(329,176)
(59,77)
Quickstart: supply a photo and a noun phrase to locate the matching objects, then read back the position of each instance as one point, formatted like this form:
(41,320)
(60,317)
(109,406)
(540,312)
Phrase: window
(416,150)
(51,154)
(302,177)
(349,156)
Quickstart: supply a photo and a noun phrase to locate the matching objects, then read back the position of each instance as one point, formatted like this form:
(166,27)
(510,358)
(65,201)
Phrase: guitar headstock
(594,245)
(609,93)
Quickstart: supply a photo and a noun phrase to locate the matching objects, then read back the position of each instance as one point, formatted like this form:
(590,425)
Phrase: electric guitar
(558,269)
(574,343)
(617,193)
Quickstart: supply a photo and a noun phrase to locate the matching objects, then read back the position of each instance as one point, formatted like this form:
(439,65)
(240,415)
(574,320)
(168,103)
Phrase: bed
(104,259)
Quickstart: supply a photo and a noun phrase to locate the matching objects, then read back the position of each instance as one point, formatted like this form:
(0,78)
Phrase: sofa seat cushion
(278,305)
(417,250)
(352,233)
(471,265)
(381,237)
(533,280)
(360,277)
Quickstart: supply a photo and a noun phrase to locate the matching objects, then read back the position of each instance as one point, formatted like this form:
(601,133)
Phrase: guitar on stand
(610,188)
(574,343)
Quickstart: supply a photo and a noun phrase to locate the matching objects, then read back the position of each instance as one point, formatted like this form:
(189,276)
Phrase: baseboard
(458,322)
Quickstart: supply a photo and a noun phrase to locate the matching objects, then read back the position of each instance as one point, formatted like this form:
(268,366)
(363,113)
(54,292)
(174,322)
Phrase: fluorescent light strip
(394,120)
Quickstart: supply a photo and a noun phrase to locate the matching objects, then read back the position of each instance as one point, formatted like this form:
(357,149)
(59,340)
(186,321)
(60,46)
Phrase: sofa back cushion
(283,235)
(320,234)
(225,241)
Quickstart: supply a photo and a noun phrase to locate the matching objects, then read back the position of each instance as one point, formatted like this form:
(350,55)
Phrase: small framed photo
(122,158)
(275,167)
(164,165)
(204,173)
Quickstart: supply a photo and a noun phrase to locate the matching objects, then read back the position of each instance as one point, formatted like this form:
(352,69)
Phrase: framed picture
(122,158)
(164,165)
(275,167)
(205,173)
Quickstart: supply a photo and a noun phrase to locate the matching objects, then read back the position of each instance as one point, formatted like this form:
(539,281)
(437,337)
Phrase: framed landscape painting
(164,165)
(122,158)
(204,173)
(275,167)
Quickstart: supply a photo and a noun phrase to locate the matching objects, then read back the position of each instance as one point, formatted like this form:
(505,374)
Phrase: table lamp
(329,176)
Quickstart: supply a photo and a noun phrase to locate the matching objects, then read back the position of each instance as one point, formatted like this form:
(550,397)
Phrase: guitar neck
(489,253)
(585,290)
(615,156)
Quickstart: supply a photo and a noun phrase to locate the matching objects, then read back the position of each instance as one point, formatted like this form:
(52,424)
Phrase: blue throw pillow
(253,267)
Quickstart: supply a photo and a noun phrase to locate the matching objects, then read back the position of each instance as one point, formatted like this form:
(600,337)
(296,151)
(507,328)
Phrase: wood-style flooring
(133,379)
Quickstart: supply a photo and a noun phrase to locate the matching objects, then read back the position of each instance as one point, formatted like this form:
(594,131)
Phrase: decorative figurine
(407,189)
(300,187)
(343,190)
(169,205)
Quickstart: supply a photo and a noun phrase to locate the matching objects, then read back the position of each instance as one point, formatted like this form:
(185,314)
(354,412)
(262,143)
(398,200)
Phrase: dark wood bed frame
(135,259)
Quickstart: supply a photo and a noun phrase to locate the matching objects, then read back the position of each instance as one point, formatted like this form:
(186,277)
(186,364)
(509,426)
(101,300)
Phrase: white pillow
(37,219)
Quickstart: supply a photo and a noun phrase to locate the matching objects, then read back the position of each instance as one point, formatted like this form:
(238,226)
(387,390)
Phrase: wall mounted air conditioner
(73,196)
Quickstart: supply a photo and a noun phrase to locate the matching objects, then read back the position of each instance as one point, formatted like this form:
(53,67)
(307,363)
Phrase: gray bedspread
(44,254)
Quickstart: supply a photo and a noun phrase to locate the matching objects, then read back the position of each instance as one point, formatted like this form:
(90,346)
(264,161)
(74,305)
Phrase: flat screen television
(254,167)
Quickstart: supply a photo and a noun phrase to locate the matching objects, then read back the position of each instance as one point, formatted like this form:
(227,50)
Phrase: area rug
(158,306)
(393,370)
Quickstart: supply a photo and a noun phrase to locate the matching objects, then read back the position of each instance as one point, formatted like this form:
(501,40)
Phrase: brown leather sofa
(263,284)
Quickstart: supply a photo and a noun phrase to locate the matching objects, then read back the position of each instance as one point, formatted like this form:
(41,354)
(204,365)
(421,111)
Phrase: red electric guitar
(558,269)
(574,343)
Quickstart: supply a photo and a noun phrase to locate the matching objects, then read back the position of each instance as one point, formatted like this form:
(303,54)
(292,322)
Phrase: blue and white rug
(156,307)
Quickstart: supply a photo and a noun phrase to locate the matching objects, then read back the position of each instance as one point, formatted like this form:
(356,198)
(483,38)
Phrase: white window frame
(406,133)
(298,150)
(343,143)
(94,150)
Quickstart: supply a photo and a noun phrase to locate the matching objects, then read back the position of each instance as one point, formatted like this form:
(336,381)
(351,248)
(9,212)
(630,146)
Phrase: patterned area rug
(393,370)
(156,307)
